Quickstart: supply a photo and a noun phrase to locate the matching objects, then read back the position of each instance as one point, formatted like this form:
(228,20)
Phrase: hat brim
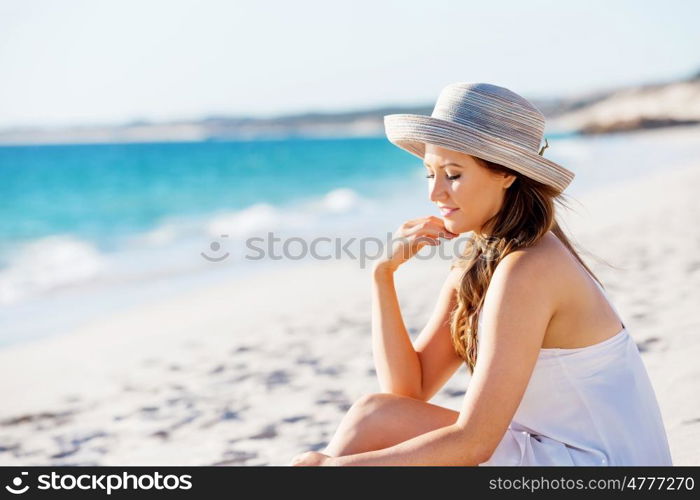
(411,132)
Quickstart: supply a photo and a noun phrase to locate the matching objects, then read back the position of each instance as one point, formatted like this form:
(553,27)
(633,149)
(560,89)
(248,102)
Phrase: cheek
(467,195)
(474,201)
(464,197)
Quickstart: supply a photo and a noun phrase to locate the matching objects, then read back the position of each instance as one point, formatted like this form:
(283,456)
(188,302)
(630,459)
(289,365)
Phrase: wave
(175,244)
(46,264)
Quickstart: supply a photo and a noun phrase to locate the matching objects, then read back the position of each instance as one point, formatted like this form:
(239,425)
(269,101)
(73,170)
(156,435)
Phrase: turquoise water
(87,228)
(102,192)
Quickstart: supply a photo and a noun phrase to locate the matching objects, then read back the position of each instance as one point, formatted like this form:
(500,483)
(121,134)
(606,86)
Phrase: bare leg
(380,420)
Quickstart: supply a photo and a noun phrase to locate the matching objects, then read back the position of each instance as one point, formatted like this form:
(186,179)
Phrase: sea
(94,229)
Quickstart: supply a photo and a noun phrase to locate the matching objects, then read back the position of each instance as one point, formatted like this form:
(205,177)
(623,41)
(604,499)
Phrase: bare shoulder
(520,301)
(545,259)
(534,270)
(540,262)
(531,275)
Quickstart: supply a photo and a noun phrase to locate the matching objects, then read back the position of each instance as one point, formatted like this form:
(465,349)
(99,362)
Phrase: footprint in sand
(61,417)
(337,398)
(305,359)
(333,371)
(225,415)
(11,447)
(239,378)
(646,344)
(217,369)
(236,457)
(295,418)
(277,377)
(317,446)
(70,446)
(65,453)
(693,266)
(241,349)
(268,432)
(229,414)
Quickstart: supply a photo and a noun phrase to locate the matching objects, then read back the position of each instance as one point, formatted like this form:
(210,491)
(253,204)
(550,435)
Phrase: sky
(90,62)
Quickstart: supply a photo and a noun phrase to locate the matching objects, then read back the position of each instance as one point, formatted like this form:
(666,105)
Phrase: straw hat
(486,121)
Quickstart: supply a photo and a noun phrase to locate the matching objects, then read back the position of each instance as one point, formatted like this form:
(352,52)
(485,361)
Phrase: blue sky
(90,62)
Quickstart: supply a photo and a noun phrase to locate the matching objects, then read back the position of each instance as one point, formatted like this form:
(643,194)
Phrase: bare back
(583,315)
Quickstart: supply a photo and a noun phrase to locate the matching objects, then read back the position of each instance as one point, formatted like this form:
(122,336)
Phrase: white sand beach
(257,371)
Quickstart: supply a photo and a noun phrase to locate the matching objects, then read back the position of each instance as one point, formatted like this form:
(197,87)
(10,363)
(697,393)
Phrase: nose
(436,189)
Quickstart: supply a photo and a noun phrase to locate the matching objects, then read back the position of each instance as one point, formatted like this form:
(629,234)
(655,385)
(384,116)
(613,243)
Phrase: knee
(362,425)
(369,405)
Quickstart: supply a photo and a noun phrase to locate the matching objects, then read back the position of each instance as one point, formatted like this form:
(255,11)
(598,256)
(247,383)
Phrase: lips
(448,211)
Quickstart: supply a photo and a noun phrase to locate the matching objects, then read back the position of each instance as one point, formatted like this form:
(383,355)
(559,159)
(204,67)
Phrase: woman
(556,379)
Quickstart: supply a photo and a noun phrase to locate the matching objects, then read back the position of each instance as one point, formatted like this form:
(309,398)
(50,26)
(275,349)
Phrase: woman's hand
(411,236)
(310,459)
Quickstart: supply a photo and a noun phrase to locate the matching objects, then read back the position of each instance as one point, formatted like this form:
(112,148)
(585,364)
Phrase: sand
(255,372)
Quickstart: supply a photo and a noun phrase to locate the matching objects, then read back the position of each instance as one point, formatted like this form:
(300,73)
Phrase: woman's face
(459,181)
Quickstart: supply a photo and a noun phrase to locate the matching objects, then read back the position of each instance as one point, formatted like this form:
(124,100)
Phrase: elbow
(404,388)
(477,455)
(417,393)
(482,455)
(476,450)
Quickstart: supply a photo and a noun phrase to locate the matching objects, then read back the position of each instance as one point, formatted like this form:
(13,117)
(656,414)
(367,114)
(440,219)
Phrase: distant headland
(618,109)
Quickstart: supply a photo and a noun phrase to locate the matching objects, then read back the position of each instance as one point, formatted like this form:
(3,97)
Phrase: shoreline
(256,371)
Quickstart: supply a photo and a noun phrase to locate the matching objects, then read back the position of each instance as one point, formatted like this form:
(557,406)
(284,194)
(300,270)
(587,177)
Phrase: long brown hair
(528,212)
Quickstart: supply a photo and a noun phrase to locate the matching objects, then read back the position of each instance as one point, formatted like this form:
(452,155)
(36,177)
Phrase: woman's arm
(518,306)
(395,360)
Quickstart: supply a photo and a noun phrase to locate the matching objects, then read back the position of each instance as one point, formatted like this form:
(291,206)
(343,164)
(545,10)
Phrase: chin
(456,226)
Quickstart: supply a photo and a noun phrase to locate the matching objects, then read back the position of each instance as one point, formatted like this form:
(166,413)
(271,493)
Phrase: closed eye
(449,177)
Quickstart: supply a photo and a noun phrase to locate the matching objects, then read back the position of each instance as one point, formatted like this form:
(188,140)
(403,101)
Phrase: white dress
(592,405)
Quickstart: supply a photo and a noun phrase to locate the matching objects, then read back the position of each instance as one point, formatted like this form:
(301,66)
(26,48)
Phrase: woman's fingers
(429,228)
(425,222)
(414,234)
(413,222)
(425,239)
